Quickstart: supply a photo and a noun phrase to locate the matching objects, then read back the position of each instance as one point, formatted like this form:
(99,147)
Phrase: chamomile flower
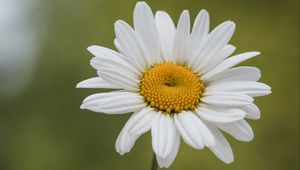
(179,84)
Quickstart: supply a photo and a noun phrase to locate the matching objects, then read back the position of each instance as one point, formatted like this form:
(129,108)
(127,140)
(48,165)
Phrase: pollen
(171,88)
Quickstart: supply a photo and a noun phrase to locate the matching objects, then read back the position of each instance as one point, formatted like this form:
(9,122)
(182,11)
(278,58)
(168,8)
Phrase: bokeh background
(43,55)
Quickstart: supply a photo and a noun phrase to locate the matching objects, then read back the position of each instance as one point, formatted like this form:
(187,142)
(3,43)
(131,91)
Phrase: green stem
(154,162)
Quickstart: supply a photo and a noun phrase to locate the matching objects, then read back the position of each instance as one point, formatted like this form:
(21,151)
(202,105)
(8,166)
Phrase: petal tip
(117,23)
(229,161)
(268,92)
(82,84)
(204,11)
(78,85)
(185,13)
(141,3)
(160,13)
(92,49)
(255,53)
(120,153)
(82,106)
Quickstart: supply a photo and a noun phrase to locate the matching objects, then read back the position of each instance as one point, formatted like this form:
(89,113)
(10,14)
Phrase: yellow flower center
(171,88)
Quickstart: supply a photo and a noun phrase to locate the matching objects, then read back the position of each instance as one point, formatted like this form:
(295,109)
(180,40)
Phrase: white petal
(226,99)
(97,96)
(118,47)
(181,38)
(250,88)
(200,28)
(214,43)
(252,111)
(236,74)
(228,63)
(115,63)
(99,51)
(168,160)
(96,82)
(105,59)
(222,148)
(223,115)
(166,32)
(120,79)
(125,141)
(114,102)
(192,130)
(142,122)
(217,59)
(240,130)
(131,45)
(145,27)
(198,35)
(164,135)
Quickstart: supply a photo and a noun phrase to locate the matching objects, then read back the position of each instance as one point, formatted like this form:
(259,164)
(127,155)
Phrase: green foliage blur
(43,128)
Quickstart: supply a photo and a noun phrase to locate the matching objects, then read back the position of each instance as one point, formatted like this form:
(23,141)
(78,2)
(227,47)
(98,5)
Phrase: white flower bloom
(177,83)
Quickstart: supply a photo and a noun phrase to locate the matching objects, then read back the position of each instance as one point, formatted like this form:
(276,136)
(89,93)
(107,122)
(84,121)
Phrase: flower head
(178,84)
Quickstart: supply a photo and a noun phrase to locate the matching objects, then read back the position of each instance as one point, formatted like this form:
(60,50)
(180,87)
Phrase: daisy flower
(179,84)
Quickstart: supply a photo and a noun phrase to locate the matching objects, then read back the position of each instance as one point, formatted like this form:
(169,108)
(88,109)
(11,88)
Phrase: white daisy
(177,83)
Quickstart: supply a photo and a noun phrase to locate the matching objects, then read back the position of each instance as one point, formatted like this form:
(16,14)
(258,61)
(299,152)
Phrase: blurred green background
(43,56)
